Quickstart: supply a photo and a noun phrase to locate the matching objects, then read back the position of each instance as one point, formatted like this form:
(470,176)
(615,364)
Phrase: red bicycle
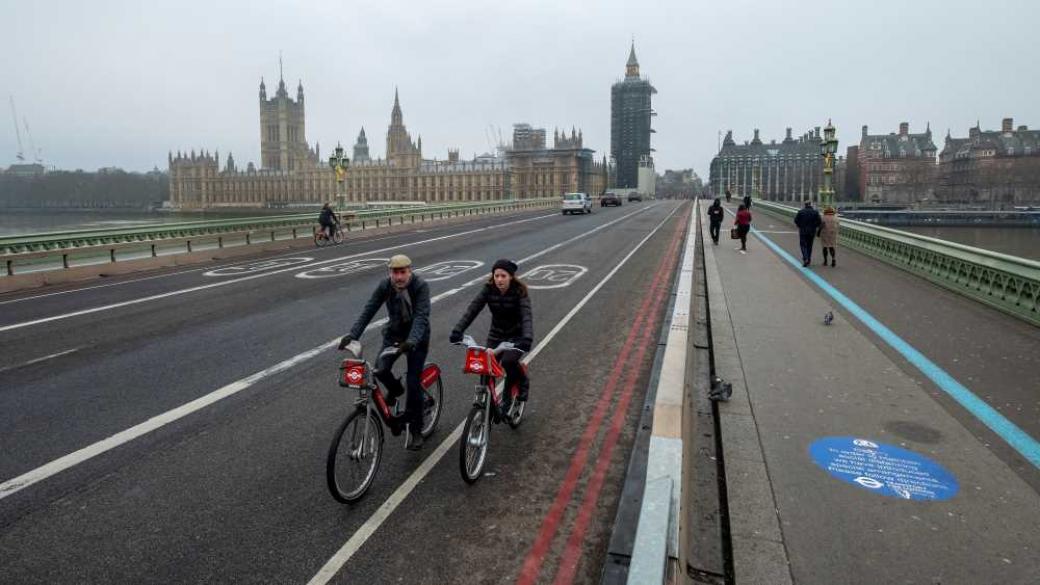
(487,405)
(322,239)
(357,446)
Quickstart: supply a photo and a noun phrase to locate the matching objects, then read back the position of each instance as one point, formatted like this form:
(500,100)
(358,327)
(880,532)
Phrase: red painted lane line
(532,563)
(572,552)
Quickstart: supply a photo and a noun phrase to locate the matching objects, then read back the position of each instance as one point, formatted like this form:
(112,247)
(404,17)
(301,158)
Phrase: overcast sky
(112,83)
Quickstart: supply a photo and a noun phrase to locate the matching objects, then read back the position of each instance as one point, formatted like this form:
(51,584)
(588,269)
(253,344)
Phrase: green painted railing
(105,242)
(1008,283)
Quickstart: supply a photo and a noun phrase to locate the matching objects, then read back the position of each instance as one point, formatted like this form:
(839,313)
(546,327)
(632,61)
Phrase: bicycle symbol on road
(344,268)
(256,266)
(447,269)
(553,275)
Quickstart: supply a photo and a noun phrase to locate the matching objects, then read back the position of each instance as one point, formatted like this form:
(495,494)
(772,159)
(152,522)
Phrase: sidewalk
(841,509)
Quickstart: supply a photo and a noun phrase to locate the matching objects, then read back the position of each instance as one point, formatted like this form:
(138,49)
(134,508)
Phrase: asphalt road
(172,427)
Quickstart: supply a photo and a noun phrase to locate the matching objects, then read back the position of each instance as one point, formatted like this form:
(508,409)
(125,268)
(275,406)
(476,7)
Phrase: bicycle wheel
(354,456)
(319,239)
(432,412)
(337,237)
(474,443)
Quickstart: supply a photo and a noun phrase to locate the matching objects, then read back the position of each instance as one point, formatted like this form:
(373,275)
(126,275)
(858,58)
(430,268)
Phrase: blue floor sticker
(884,469)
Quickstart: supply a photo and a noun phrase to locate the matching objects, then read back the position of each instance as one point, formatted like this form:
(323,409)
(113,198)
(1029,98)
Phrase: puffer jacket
(414,328)
(510,315)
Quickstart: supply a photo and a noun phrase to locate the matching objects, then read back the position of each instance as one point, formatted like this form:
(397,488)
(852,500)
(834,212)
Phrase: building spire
(632,67)
(396,118)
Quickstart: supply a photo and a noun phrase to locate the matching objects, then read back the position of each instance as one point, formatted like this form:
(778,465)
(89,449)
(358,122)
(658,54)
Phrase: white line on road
(252,277)
(358,539)
(25,480)
(40,359)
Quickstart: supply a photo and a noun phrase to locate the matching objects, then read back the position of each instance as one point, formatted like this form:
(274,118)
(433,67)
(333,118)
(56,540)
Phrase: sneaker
(743,251)
(415,441)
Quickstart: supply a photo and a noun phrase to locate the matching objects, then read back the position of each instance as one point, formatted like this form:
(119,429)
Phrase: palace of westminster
(294,174)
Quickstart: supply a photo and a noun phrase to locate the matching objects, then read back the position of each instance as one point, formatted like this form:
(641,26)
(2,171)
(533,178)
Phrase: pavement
(843,463)
(172,426)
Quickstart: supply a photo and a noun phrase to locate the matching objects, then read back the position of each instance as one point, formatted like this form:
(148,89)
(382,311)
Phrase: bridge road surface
(234,492)
(995,355)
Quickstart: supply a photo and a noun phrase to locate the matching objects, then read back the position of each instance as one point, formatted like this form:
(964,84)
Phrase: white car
(576,203)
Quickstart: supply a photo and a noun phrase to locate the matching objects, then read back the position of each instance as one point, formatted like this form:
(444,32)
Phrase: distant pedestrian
(743,226)
(728,195)
(829,234)
(747,202)
(808,222)
(715,216)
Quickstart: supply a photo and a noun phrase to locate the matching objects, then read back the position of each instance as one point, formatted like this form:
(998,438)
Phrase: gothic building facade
(630,114)
(293,174)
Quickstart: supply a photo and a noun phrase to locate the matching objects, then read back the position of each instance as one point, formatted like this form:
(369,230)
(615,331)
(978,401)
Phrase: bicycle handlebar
(469,342)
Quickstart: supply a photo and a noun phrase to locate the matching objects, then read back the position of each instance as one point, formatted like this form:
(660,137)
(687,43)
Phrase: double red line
(624,373)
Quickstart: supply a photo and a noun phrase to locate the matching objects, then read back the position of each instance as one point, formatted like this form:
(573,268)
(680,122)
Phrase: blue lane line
(1026,445)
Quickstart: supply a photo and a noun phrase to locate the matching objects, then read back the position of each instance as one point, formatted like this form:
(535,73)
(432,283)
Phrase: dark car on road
(610,198)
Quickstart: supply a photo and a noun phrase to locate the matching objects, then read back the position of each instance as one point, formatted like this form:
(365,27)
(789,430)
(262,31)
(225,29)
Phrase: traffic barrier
(98,246)
(1008,283)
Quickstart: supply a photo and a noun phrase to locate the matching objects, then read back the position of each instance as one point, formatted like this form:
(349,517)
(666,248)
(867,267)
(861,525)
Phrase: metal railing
(1008,283)
(102,245)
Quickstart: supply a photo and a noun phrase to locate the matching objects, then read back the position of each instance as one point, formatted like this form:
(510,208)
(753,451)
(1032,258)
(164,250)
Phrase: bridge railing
(104,245)
(1008,283)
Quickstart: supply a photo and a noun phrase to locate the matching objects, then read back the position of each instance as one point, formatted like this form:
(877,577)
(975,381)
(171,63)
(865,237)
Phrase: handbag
(734,233)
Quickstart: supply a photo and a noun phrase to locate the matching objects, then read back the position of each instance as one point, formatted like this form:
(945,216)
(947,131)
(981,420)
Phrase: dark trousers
(742,231)
(413,406)
(806,242)
(714,228)
(510,361)
(834,255)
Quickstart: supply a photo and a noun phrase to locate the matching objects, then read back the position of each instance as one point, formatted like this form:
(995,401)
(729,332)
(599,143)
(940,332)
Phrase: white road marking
(257,266)
(447,269)
(192,289)
(345,268)
(358,539)
(43,472)
(40,359)
(556,275)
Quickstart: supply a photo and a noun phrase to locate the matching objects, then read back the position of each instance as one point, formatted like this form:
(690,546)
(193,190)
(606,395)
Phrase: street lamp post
(339,164)
(828,148)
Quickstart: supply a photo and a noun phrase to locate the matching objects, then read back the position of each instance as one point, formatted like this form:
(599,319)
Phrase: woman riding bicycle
(507,299)
(329,221)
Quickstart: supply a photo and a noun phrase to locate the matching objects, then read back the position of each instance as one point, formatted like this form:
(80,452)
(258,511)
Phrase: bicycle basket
(354,374)
(482,362)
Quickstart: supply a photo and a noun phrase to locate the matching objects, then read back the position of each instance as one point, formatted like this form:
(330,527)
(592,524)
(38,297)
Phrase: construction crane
(17,132)
(33,152)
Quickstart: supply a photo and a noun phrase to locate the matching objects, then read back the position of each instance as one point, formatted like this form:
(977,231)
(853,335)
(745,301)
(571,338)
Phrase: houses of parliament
(293,174)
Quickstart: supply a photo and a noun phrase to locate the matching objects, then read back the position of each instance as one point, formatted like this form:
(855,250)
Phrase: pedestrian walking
(743,226)
(747,203)
(715,217)
(829,235)
(808,222)
(729,195)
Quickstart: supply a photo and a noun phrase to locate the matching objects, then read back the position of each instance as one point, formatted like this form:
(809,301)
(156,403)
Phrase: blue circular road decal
(884,469)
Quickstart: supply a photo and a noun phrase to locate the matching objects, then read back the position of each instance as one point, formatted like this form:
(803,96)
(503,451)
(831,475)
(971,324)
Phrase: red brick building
(896,168)
(993,169)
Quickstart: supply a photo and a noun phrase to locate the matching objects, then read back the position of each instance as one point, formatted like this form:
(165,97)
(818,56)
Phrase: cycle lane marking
(16,484)
(553,275)
(197,288)
(372,524)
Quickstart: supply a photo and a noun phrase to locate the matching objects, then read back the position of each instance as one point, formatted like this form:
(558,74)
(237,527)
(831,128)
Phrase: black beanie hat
(507,265)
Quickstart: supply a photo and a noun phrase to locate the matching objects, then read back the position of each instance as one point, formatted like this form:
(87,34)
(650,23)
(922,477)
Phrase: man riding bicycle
(507,299)
(407,300)
(329,221)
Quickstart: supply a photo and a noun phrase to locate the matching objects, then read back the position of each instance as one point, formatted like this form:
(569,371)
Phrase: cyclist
(507,299)
(329,221)
(407,300)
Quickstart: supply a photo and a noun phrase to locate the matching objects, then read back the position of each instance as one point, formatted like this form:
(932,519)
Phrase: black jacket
(327,217)
(716,214)
(414,328)
(808,221)
(510,315)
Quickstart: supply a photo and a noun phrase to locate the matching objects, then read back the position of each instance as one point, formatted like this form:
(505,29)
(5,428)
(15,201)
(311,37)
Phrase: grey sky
(119,83)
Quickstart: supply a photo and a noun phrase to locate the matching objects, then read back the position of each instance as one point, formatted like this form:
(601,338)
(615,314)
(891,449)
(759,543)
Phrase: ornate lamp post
(828,148)
(339,164)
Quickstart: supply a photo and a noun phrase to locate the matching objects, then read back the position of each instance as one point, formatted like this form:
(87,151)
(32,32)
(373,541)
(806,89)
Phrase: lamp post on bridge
(339,164)
(828,148)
